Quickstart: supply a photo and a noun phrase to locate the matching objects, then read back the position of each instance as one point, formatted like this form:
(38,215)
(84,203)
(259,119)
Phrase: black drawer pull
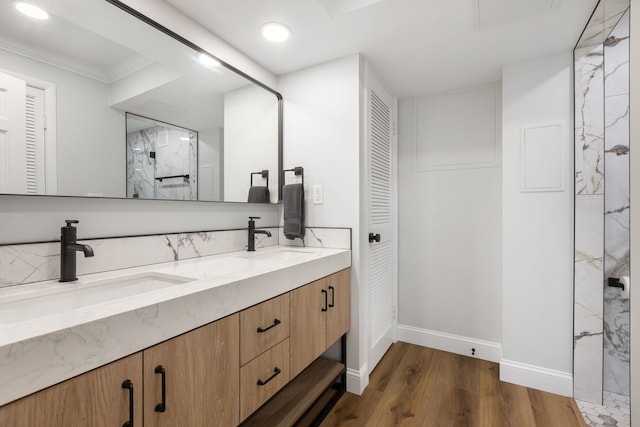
(161,407)
(127,384)
(276,322)
(324,291)
(333,296)
(276,371)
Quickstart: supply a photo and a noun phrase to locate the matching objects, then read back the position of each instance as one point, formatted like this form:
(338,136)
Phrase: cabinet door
(95,399)
(202,373)
(339,313)
(307,329)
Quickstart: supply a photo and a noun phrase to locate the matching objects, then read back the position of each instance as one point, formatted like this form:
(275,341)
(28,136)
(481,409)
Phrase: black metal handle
(614,282)
(160,178)
(326,301)
(127,384)
(161,407)
(333,296)
(276,322)
(374,238)
(276,371)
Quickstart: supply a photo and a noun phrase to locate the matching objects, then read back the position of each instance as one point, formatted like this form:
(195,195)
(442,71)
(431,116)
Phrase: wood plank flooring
(417,386)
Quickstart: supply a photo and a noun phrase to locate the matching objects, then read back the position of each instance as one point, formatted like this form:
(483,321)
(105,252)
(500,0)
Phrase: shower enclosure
(161,160)
(601,313)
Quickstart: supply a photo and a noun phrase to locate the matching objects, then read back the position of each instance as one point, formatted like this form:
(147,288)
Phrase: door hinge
(394,128)
(45,122)
(395,312)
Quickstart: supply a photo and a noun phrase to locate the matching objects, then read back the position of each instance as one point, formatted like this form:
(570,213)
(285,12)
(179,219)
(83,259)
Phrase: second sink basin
(85,294)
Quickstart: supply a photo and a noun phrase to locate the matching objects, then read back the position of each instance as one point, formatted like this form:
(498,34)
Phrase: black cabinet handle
(127,384)
(161,407)
(374,238)
(324,291)
(333,296)
(276,371)
(276,322)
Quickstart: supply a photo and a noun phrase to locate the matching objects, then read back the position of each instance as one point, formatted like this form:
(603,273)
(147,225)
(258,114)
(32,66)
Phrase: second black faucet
(68,249)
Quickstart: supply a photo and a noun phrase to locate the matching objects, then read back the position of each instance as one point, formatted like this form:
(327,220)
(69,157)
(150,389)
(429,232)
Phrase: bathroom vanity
(232,338)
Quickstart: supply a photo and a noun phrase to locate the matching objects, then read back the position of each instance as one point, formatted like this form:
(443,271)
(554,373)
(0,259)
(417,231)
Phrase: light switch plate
(317,195)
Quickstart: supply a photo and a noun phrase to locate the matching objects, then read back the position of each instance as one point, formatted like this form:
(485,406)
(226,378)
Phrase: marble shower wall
(616,206)
(589,227)
(175,152)
(601,318)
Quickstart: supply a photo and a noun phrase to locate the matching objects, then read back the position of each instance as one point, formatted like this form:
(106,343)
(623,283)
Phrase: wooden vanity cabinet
(95,399)
(319,316)
(201,370)
(215,375)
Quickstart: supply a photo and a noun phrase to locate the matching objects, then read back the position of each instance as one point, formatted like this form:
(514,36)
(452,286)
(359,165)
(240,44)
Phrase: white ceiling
(416,46)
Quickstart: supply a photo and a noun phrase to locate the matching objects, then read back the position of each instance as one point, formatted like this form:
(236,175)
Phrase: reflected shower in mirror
(161,160)
(74,77)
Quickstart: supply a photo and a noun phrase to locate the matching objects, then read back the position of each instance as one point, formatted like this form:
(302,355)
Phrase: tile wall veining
(589,234)
(616,207)
(317,237)
(36,262)
(601,334)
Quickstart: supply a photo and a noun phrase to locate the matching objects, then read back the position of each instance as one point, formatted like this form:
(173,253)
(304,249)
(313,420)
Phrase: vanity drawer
(263,326)
(263,377)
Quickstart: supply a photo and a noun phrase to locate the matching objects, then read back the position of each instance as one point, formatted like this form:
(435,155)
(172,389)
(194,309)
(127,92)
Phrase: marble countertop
(42,349)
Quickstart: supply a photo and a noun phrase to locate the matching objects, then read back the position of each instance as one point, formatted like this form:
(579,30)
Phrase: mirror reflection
(99,103)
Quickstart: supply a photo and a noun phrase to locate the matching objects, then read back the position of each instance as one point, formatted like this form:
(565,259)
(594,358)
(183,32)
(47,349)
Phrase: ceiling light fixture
(275,32)
(208,60)
(32,11)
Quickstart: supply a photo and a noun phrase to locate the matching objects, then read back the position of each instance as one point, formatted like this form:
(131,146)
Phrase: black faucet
(251,243)
(68,249)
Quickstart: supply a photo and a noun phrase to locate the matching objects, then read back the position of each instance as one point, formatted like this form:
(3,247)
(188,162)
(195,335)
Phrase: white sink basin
(84,294)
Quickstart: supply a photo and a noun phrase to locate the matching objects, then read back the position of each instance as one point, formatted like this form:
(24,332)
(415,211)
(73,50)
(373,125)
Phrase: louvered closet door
(381,214)
(13,173)
(35,141)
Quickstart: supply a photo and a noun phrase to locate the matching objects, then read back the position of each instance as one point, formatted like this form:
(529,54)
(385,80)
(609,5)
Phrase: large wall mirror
(97,102)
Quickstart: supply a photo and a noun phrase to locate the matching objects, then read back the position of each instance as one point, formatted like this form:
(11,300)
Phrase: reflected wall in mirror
(68,83)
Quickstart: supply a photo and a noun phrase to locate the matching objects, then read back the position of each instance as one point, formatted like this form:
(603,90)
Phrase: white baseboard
(485,350)
(557,382)
(357,380)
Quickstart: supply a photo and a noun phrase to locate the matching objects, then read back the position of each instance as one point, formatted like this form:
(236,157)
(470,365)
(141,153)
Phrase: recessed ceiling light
(275,32)
(32,11)
(208,60)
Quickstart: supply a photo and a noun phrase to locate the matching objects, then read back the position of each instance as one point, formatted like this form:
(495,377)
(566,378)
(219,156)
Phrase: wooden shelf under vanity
(296,399)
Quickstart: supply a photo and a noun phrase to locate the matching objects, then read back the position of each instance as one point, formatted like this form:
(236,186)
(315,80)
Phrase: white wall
(251,141)
(90,134)
(210,164)
(322,134)
(635,212)
(450,221)
(537,230)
